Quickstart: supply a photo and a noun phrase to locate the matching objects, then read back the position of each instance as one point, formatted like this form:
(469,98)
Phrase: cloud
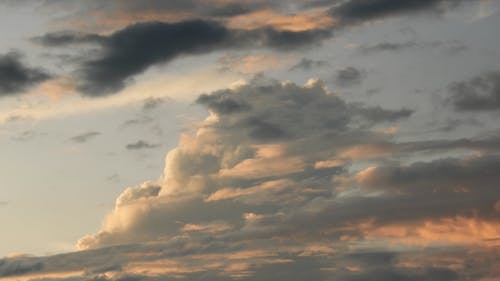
(125,52)
(481,93)
(286,182)
(153,103)
(299,21)
(141,144)
(16,267)
(133,49)
(449,47)
(469,175)
(308,64)
(114,14)
(387,46)
(84,137)
(356,11)
(15,77)
(254,150)
(222,103)
(349,76)
(140,120)
(378,114)
(120,12)
(63,38)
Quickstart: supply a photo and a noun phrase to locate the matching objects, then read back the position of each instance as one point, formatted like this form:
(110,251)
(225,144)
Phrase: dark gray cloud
(222,103)
(378,114)
(449,47)
(15,77)
(84,137)
(308,64)
(282,40)
(130,51)
(349,76)
(63,38)
(141,144)
(387,46)
(255,111)
(481,93)
(355,11)
(13,267)
(443,174)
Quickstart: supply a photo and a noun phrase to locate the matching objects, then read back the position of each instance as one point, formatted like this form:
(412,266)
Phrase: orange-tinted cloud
(316,19)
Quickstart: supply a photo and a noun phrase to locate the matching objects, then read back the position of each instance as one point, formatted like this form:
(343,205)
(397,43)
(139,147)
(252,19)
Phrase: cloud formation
(84,137)
(133,49)
(481,93)
(349,76)
(256,149)
(153,34)
(357,11)
(308,64)
(387,46)
(15,77)
(284,181)
(140,144)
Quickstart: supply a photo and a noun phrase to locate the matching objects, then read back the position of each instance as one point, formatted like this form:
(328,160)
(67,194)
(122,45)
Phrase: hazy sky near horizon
(249,140)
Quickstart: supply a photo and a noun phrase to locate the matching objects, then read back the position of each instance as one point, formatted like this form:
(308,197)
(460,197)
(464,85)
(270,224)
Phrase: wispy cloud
(84,137)
(141,144)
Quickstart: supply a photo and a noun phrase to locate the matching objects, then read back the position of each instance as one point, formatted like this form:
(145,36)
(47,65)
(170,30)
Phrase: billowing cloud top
(284,181)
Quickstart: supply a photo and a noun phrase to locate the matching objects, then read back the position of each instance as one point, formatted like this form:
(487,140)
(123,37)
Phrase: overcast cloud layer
(331,179)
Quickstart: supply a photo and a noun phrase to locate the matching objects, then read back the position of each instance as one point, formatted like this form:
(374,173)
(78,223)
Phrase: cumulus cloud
(256,149)
(15,77)
(285,182)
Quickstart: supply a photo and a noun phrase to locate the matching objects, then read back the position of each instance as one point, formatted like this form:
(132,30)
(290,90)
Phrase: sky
(249,140)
